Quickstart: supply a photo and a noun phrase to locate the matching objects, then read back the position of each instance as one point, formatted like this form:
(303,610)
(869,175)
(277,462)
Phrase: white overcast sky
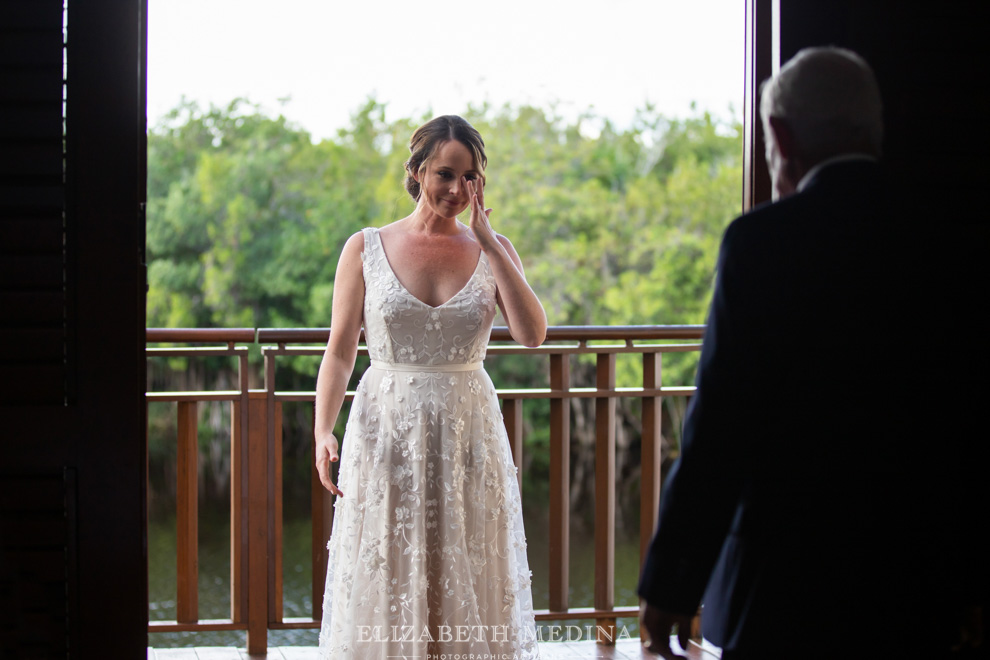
(328,56)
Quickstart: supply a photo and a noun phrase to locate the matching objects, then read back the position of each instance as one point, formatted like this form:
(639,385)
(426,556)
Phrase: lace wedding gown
(427,552)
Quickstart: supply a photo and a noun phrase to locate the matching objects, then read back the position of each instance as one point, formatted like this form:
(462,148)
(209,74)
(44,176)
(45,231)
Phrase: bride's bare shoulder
(353,247)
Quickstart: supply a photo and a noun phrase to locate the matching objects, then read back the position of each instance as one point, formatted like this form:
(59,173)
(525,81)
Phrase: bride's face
(442,179)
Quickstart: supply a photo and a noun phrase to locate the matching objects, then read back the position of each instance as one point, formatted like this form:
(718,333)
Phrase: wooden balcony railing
(256,466)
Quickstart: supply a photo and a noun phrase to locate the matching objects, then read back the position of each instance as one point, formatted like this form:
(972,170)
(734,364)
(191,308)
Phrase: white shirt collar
(841,158)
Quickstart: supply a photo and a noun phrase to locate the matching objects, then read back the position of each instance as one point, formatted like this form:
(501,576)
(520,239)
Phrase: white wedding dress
(427,551)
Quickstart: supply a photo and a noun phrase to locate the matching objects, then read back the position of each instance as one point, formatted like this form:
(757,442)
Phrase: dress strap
(370,234)
(426,368)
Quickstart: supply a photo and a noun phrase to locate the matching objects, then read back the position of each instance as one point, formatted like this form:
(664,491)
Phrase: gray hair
(830,99)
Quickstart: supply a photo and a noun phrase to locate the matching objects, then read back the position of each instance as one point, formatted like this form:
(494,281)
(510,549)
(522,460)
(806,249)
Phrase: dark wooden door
(73,560)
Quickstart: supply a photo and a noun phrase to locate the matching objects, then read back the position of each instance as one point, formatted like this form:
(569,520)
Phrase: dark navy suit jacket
(807,504)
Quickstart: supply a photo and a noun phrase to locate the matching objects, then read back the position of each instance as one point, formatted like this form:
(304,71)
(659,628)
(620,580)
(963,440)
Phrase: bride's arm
(523,312)
(338,359)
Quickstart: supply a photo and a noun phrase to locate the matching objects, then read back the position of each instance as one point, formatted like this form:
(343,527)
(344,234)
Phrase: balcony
(256,476)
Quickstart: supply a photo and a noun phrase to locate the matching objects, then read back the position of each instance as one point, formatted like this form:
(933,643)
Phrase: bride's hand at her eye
(479,223)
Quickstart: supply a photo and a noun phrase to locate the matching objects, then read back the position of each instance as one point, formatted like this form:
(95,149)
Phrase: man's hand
(659,625)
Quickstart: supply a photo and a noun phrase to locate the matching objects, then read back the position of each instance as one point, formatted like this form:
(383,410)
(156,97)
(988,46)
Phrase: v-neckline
(474,273)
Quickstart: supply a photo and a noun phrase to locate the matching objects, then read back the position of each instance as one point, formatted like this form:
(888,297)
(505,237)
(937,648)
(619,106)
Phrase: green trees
(247,217)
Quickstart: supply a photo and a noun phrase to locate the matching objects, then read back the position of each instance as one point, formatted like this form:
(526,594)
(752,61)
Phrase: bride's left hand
(480,216)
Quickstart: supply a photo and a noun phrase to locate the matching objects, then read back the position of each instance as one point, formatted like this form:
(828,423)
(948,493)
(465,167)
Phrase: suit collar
(807,179)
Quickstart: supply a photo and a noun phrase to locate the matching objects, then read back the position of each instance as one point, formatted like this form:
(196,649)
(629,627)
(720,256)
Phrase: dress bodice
(401,329)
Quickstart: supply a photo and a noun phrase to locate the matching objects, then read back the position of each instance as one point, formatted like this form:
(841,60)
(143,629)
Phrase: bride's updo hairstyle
(427,139)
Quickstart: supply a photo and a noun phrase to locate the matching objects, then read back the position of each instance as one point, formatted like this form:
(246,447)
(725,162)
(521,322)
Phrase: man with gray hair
(823,107)
(805,513)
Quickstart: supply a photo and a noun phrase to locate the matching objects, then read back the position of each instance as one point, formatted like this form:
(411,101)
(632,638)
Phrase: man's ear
(783,137)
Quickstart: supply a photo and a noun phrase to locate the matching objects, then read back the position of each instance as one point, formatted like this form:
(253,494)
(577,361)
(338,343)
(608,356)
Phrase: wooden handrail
(195,335)
(501,333)
(256,528)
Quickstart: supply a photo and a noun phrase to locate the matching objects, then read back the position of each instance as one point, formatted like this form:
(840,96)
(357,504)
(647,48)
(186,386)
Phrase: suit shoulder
(769,218)
(749,226)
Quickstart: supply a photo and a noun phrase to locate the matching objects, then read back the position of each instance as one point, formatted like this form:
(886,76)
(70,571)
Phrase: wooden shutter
(32,203)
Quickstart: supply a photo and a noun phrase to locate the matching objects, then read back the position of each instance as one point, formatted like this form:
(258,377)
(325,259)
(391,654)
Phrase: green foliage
(247,216)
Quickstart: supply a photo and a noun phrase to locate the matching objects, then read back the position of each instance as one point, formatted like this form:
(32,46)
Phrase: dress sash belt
(426,368)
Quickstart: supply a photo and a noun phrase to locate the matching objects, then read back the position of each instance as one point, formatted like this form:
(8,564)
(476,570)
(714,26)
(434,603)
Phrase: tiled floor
(627,649)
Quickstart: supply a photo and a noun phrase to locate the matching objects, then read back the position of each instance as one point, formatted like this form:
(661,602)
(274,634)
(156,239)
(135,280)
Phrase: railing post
(273,416)
(651,460)
(257,518)
(237,511)
(560,481)
(239,425)
(513,418)
(275,593)
(605,496)
(187,516)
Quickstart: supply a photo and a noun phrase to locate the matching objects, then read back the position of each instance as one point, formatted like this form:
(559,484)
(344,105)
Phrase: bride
(427,551)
